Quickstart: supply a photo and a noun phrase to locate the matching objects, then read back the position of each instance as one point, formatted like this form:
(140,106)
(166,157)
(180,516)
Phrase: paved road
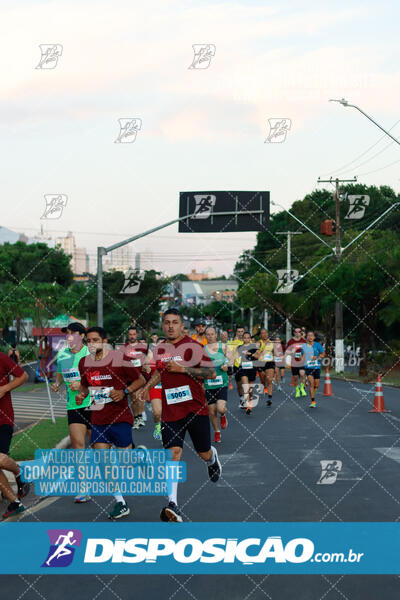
(271,465)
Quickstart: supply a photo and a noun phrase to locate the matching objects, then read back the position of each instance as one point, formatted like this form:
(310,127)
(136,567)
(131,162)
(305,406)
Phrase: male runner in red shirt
(293,348)
(137,353)
(9,367)
(181,365)
(109,381)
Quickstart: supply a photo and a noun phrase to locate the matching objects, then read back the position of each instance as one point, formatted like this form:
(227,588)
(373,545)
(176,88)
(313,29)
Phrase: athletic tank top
(218,359)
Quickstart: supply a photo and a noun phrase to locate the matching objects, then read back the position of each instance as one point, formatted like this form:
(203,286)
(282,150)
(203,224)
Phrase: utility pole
(339,342)
(251,320)
(288,268)
(266,319)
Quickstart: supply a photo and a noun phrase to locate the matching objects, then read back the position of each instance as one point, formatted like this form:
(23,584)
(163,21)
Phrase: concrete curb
(64,443)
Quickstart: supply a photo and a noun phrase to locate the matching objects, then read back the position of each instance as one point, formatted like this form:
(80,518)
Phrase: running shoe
(313,404)
(265,390)
(224,422)
(23,490)
(157,431)
(119,510)
(279,388)
(13,509)
(242,404)
(215,469)
(81,499)
(269,401)
(302,390)
(171,513)
(297,392)
(248,411)
(138,422)
(217,436)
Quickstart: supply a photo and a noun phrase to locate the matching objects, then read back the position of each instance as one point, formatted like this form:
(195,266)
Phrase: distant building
(7,235)
(194,293)
(120,259)
(79,256)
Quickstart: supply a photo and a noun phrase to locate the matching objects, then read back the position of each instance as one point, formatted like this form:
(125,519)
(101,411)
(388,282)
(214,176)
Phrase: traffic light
(327,227)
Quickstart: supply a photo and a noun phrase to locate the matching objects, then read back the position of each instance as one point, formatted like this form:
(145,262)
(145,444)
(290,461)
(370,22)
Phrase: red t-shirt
(181,393)
(110,371)
(295,351)
(7,367)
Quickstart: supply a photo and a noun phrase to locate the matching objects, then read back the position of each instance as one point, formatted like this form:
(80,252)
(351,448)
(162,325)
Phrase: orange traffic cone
(292,382)
(327,385)
(379,404)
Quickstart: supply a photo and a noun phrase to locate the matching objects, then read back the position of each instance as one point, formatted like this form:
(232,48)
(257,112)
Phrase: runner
(265,355)
(154,341)
(199,336)
(109,381)
(137,353)
(13,353)
(232,347)
(155,395)
(293,348)
(224,337)
(217,389)
(246,370)
(9,368)
(79,417)
(279,357)
(312,352)
(182,365)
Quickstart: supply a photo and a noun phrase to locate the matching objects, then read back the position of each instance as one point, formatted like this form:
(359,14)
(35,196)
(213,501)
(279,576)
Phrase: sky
(201,129)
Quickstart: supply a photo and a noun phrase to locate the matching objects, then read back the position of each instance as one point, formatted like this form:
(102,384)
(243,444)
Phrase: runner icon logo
(203,54)
(50,54)
(128,129)
(357,206)
(63,543)
(278,129)
(329,471)
(55,204)
(204,205)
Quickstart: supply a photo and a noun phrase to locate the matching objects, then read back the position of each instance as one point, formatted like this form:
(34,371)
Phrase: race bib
(312,363)
(71,375)
(136,362)
(218,381)
(248,364)
(100,395)
(179,394)
(268,357)
(279,359)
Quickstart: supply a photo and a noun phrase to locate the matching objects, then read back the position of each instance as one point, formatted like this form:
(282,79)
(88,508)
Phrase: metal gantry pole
(288,268)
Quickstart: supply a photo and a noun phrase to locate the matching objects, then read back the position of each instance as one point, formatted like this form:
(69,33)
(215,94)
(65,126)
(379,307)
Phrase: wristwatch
(126,391)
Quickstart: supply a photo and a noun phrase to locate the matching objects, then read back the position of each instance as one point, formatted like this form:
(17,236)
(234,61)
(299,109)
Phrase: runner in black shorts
(79,417)
(247,371)
(182,364)
(217,389)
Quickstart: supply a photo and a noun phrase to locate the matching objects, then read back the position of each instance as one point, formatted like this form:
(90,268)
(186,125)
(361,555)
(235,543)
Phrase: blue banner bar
(214,548)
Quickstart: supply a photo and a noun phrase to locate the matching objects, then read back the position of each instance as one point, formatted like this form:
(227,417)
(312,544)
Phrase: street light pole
(339,342)
(344,102)
(288,268)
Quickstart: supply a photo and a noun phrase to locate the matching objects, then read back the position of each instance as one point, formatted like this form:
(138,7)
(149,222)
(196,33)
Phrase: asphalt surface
(271,466)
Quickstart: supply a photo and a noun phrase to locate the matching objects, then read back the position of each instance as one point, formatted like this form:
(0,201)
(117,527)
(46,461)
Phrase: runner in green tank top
(217,389)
